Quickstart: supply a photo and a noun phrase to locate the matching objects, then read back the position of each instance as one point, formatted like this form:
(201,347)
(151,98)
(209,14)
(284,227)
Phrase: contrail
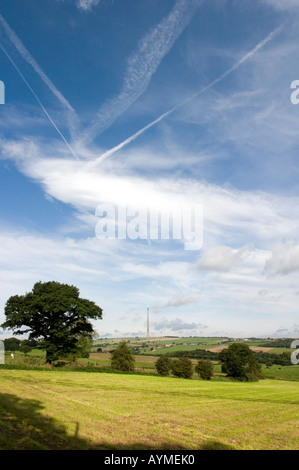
(39,102)
(87,4)
(246,57)
(141,66)
(30,60)
(133,137)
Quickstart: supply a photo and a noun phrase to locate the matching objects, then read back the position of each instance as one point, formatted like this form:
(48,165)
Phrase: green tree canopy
(25,348)
(12,344)
(55,315)
(163,365)
(182,367)
(204,368)
(122,358)
(239,362)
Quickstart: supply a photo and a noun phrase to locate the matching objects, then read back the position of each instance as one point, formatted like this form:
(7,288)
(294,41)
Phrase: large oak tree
(55,315)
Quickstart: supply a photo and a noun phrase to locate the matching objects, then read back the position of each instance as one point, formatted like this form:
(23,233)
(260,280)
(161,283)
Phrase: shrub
(182,367)
(122,358)
(204,368)
(25,349)
(163,365)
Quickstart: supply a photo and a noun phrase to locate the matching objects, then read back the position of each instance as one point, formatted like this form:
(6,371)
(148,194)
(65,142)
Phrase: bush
(122,358)
(204,368)
(239,362)
(25,349)
(182,367)
(163,365)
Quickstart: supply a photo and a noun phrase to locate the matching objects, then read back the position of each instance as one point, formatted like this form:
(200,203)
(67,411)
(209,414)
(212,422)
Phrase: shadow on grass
(24,426)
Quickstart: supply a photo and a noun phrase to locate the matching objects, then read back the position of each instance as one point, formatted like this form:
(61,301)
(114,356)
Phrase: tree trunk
(48,358)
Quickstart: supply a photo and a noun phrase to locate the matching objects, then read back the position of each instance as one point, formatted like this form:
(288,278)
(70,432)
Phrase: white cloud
(233,216)
(87,5)
(92,266)
(283,4)
(177,325)
(110,273)
(179,300)
(284,259)
(220,258)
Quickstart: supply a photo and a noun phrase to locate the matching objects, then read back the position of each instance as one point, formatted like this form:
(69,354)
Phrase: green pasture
(282,373)
(55,409)
(157,346)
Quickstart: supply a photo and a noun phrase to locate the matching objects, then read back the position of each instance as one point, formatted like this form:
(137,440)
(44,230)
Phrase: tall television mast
(147,329)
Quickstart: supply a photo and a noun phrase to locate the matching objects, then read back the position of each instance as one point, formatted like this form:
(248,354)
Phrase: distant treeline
(283,359)
(277,343)
(14,344)
(195,354)
(262,357)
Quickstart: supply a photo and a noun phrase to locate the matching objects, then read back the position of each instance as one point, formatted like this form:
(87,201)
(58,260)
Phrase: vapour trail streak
(39,102)
(30,60)
(172,110)
(141,66)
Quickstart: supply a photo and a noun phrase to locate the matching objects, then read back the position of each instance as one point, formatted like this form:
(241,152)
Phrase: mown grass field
(54,409)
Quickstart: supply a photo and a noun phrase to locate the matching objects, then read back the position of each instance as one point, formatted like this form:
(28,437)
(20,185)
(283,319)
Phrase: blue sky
(151,104)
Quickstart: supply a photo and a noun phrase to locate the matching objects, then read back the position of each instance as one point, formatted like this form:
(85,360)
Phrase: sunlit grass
(59,409)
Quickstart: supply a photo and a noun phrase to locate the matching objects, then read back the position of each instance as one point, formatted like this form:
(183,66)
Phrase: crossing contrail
(73,119)
(141,66)
(39,102)
(130,139)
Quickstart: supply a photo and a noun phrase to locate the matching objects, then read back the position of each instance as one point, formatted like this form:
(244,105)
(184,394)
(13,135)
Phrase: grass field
(53,409)
(168,345)
(281,373)
(143,364)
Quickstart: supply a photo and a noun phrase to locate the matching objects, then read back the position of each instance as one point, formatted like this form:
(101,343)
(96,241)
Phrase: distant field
(253,348)
(80,410)
(159,346)
(167,345)
(281,350)
(282,373)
